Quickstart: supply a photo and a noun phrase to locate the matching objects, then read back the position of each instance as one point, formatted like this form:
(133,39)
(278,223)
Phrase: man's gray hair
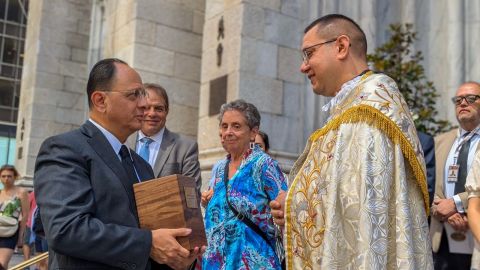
(248,109)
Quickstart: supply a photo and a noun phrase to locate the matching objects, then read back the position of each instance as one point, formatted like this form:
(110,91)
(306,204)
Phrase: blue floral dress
(231,243)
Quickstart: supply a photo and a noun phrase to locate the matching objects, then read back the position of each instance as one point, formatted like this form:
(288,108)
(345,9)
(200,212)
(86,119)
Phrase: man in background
(454,151)
(167,152)
(31,239)
(428,146)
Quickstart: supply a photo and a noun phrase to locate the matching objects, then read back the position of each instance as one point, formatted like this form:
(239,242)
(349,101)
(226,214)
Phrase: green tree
(397,59)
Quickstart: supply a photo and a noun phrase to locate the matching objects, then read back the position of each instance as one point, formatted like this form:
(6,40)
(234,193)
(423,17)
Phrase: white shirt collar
(344,91)
(156,137)
(114,142)
(462,132)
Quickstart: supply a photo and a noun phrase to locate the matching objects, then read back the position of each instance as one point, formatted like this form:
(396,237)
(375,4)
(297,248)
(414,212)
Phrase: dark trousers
(444,260)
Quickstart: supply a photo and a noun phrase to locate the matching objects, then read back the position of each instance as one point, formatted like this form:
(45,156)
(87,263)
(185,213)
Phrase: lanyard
(466,139)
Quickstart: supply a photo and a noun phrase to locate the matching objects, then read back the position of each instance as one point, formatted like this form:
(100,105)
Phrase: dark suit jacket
(177,155)
(428,146)
(87,203)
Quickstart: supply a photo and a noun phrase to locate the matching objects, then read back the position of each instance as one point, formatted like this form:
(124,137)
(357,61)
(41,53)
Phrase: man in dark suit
(167,152)
(83,184)
(428,147)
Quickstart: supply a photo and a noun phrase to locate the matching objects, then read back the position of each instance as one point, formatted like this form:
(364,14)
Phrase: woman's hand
(277,207)
(206,196)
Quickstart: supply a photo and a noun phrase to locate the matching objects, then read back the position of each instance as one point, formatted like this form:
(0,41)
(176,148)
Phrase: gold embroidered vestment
(359,197)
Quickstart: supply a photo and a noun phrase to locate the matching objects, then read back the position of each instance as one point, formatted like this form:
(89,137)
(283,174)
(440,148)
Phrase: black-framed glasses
(469,98)
(307,52)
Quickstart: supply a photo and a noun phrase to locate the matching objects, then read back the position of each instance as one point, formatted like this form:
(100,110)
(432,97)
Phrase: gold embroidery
(372,116)
(309,235)
(307,219)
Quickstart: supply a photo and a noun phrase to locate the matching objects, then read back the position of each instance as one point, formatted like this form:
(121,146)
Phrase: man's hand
(166,249)
(277,207)
(196,252)
(206,196)
(459,222)
(442,209)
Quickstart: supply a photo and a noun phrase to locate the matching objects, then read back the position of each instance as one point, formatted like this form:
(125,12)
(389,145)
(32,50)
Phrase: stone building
(206,52)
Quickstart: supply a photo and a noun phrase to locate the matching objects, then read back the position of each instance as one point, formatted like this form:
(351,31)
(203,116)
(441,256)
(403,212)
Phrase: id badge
(452,173)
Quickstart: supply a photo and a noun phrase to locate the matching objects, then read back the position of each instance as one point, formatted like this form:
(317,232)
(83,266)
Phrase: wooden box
(171,202)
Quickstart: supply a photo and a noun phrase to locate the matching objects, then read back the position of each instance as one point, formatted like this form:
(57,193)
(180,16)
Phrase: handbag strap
(241,216)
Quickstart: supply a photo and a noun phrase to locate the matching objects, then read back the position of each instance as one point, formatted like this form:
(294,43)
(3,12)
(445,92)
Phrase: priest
(358,198)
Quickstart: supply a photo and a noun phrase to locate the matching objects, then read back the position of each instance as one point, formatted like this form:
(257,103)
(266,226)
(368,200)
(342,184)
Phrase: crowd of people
(358,197)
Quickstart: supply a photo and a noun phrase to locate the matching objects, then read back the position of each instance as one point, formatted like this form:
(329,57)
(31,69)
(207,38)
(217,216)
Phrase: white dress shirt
(449,187)
(114,142)
(154,146)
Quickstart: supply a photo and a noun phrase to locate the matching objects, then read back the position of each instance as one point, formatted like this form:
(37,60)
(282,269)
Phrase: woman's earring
(252,145)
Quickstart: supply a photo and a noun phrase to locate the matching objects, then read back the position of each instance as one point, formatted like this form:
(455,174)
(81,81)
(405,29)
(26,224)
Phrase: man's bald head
(468,112)
(334,25)
(472,84)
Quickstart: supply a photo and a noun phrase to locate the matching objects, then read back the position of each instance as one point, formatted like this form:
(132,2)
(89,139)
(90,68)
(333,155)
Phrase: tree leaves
(397,59)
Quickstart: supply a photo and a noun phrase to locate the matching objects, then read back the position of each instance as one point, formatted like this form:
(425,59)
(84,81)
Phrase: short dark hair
(159,90)
(101,76)
(265,140)
(358,37)
(8,167)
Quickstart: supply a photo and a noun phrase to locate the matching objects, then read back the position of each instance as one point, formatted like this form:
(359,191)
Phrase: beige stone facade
(179,43)
(260,60)
(52,96)
(161,39)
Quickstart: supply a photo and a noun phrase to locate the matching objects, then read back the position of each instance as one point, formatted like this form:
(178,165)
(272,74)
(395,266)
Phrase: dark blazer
(87,203)
(428,146)
(177,155)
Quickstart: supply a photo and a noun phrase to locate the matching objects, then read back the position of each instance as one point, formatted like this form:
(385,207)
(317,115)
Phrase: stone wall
(260,58)
(162,40)
(175,42)
(446,31)
(52,96)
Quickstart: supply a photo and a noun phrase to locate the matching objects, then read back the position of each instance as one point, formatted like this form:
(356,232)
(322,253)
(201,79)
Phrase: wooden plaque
(171,202)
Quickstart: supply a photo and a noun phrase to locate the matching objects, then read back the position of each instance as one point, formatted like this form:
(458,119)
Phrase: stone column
(444,55)
(472,39)
(52,96)
(456,49)
(162,40)
(251,51)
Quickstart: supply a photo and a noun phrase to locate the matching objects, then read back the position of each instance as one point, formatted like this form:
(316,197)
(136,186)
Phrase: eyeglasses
(469,98)
(132,94)
(307,52)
